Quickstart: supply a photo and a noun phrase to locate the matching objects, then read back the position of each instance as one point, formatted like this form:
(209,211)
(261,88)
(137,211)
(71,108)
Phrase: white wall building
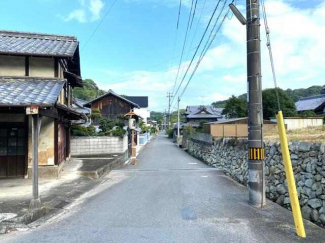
(143,102)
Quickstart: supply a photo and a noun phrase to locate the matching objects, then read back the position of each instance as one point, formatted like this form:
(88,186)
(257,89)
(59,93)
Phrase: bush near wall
(308,161)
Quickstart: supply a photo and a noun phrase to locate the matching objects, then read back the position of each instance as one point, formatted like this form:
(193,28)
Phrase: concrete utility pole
(169,96)
(256,178)
(256,183)
(36,127)
(178,120)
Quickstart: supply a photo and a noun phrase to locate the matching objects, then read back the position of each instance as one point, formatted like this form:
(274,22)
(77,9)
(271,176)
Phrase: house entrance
(13,150)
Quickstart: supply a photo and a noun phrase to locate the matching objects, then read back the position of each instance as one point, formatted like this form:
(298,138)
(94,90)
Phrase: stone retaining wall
(98,145)
(308,160)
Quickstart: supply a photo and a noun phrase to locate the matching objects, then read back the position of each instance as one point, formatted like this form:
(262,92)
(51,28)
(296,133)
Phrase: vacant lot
(312,134)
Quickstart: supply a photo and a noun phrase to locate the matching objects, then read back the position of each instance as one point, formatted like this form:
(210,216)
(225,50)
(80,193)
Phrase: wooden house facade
(37,75)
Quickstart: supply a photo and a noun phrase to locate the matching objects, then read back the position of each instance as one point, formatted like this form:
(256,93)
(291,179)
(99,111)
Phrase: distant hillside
(295,94)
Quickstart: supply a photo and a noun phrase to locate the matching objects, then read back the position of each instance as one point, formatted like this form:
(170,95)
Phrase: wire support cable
(268,44)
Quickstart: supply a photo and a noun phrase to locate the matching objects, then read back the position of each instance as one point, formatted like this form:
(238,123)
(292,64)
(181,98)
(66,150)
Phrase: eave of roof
(27,91)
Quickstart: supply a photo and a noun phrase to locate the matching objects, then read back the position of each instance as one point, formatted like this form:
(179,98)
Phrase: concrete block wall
(98,145)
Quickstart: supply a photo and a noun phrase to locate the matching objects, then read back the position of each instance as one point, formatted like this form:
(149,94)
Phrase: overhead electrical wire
(198,47)
(99,24)
(205,51)
(179,12)
(193,14)
(184,44)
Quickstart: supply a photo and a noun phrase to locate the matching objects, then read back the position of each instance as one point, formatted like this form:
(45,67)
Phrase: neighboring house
(294,123)
(143,102)
(78,106)
(196,114)
(313,103)
(111,105)
(37,73)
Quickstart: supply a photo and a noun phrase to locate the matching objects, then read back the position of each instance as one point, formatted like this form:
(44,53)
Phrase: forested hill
(295,94)
(89,92)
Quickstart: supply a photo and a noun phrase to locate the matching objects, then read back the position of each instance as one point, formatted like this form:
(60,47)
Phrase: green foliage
(270,105)
(106,124)
(170,133)
(219,104)
(296,94)
(95,114)
(157,116)
(200,127)
(119,132)
(83,131)
(89,92)
(143,127)
(307,114)
(235,107)
(153,130)
(188,129)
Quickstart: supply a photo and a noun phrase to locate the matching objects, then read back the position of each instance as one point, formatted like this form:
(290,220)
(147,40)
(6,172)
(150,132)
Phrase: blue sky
(132,51)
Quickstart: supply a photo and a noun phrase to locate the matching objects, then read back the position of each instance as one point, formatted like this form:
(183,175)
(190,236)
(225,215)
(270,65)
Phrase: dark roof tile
(30,91)
(24,43)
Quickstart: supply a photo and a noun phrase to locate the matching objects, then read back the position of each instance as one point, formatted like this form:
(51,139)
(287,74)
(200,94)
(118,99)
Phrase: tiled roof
(310,103)
(111,92)
(30,91)
(201,111)
(78,105)
(142,101)
(24,43)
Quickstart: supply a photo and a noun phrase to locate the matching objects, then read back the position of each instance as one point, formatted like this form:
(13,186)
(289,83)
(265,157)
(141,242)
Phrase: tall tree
(270,105)
(235,107)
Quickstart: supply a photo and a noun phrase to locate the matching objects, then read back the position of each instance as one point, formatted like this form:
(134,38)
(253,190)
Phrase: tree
(235,107)
(89,92)
(270,104)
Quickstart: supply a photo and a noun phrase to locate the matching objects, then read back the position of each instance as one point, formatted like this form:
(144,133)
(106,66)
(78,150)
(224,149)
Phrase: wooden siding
(111,106)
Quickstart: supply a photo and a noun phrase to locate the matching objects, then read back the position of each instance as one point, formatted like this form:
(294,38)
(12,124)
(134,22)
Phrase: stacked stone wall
(308,161)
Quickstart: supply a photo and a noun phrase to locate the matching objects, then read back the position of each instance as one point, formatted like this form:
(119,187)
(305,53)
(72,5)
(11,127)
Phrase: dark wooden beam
(56,67)
(52,113)
(27,66)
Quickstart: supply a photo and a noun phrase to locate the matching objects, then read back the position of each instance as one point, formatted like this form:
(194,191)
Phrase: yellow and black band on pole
(256,154)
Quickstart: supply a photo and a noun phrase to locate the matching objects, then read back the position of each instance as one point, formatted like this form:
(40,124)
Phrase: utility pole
(169,96)
(178,120)
(256,178)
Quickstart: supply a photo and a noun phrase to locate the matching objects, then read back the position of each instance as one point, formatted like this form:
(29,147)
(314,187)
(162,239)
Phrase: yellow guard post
(290,178)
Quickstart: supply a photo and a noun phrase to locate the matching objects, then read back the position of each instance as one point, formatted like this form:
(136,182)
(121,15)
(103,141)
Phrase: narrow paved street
(168,197)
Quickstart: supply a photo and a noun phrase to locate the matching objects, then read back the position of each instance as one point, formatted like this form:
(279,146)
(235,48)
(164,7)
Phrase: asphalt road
(168,197)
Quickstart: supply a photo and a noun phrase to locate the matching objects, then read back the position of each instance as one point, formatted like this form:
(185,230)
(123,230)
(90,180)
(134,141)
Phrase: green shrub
(95,114)
(79,131)
(118,132)
(153,130)
(170,133)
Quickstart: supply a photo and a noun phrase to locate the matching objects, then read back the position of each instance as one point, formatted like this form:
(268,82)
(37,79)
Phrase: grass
(310,134)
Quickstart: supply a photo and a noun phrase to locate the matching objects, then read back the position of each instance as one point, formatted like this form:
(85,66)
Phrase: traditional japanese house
(37,75)
(111,105)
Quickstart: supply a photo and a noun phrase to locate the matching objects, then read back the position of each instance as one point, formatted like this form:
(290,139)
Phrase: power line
(99,24)
(205,51)
(205,31)
(184,44)
(193,14)
(179,12)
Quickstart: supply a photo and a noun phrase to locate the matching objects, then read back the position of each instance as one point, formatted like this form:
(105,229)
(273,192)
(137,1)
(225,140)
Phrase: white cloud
(88,11)
(298,42)
(95,8)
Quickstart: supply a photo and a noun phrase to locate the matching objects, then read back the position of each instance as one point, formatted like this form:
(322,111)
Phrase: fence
(98,145)
(144,138)
(232,130)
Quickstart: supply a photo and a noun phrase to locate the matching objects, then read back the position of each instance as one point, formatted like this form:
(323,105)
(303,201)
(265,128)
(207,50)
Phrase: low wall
(98,145)
(308,161)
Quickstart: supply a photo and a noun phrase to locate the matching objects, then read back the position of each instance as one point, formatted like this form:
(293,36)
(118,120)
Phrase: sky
(136,49)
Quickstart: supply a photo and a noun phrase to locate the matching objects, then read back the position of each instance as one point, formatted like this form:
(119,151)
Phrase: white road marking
(192,163)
